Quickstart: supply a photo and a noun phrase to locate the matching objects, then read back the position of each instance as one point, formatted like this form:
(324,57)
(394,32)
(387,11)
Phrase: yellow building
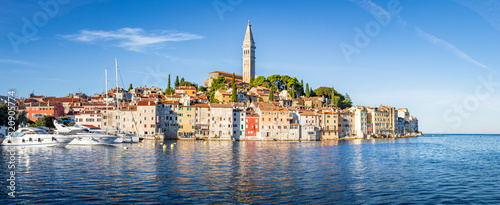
(222,96)
(328,123)
(186,120)
(187,90)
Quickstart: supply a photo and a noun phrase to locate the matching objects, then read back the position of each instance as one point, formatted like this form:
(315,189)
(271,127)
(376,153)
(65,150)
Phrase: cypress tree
(234,96)
(271,95)
(333,96)
(177,81)
(308,94)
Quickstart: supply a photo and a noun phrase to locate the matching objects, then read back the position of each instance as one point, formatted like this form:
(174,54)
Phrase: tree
(177,81)
(292,83)
(292,93)
(285,79)
(45,121)
(307,90)
(275,81)
(234,94)
(347,103)
(169,90)
(323,91)
(271,95)
(217,83)
(202,89)
(182,81)
(332,96)
(19,117)
(259,81)
(336,101)
(130,87)
(302,87)
(251,81)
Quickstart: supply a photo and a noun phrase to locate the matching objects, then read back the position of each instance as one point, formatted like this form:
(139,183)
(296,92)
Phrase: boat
(83,135)
(126,137)
(30,136)
(129,137)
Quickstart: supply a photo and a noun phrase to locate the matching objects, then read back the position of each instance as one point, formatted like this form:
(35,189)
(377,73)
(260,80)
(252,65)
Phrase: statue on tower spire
(248,21)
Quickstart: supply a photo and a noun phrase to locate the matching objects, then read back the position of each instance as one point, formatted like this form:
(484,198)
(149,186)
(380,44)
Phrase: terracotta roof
(146,103)
(201,105)
(273,109)
(169,101)
(226,73)
(185,88)
(221,105)
(308,113)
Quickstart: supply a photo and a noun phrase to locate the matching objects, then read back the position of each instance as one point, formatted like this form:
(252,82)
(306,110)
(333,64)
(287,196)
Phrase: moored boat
(30,136)
(83,135)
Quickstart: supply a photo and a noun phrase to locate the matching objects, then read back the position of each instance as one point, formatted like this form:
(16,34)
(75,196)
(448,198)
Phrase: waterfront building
(221,121)
(274,122)
(360,121)
(167,119)
(252,125)
(147,111)
(308,124)
(186,121)
(89,119)
(328,124)
(37,110)
(346,124)
(239,116)
(202,120)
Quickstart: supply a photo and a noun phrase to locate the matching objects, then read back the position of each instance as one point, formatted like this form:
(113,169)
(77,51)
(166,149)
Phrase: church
(248,63)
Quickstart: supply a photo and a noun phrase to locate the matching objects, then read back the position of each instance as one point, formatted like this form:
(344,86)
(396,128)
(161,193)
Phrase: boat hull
(93,139)
(38,140)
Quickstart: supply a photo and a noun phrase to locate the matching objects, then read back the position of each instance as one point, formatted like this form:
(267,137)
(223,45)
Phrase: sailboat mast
(117,101)
(107,101)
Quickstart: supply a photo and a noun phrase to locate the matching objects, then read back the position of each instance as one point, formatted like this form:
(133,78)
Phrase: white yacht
(83,135)
(30,136)
(129,137)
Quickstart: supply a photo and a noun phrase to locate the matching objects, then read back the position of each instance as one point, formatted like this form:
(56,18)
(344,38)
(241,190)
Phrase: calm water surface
(448,169)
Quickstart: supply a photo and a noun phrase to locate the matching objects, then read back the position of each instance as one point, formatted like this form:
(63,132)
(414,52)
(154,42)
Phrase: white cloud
(133,39)
(10,61)
(439,42)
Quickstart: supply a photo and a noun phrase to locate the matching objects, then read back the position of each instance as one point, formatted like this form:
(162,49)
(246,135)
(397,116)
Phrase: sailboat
(125,137)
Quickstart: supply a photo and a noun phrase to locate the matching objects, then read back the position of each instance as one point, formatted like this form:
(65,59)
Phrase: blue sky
(437,58)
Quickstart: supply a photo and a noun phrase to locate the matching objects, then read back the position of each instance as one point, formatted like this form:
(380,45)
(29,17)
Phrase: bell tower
(248,55)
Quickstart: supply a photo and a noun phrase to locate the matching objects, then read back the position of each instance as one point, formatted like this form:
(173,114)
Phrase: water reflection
(354,172)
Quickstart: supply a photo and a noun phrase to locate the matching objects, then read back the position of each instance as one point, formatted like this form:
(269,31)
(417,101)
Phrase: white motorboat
(83,135)
(30,136)
(129,137)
